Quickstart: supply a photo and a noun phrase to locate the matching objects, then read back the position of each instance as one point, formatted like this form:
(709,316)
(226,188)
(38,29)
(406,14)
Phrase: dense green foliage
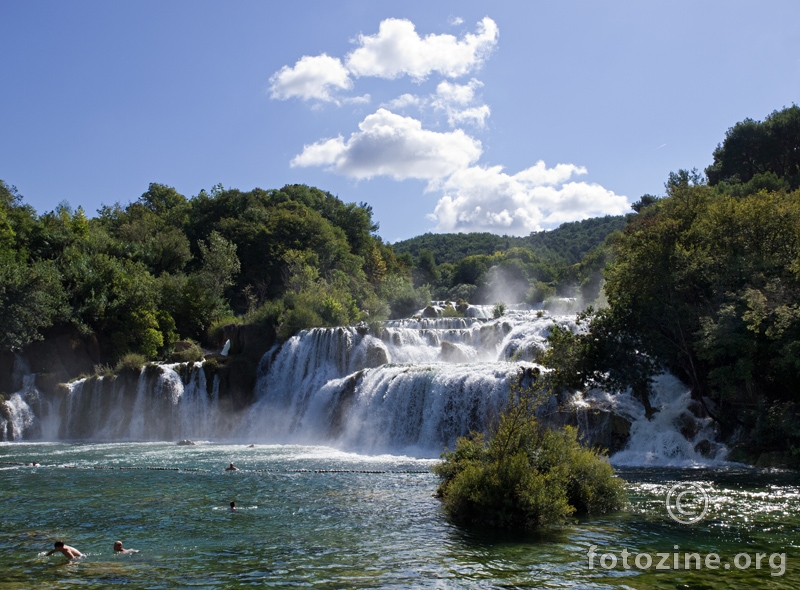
(165,267)
(568,243)
(486,268)
(759,155)
(522,475)
(706,283)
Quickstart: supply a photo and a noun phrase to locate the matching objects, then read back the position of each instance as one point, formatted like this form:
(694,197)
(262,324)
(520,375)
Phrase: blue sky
(506,117)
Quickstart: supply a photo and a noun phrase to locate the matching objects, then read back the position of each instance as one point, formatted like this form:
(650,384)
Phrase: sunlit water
(316,517)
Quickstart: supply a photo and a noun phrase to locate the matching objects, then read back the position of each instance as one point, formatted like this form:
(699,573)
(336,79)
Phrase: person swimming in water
(69,552)
(232,467)
(233,506)
(118,548)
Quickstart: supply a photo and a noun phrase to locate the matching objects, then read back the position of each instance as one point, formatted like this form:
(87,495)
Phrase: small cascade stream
(159,405)
(19,413)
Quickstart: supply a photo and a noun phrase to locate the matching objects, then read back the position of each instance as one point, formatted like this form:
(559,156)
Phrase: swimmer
(69,552)
(231,468)
(233,506)
(119,549)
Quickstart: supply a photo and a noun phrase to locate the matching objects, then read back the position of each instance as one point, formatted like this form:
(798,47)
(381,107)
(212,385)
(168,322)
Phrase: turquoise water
(316,517)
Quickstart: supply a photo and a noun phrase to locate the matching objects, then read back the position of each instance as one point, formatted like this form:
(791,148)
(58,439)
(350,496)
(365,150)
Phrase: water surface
(320,518)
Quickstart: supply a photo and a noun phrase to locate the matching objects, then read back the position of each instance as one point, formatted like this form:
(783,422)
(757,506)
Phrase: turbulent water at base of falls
(413,388)
(678,435)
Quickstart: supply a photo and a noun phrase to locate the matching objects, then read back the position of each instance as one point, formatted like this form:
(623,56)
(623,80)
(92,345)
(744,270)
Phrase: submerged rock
(186,443)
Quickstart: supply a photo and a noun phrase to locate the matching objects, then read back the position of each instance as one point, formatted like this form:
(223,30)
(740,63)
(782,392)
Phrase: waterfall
(19,413)
(678,435)
(157,405)
(415,388)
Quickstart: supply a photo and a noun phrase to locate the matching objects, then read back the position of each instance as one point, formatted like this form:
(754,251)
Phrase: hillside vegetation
(567,244)
(706,283)
(139,277)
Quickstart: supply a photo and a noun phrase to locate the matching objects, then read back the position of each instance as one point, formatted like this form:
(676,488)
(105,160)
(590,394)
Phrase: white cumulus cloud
(396,146)
(473,116)
(311,78)
(397,50)
(403,101)
(487,199)
(453,99)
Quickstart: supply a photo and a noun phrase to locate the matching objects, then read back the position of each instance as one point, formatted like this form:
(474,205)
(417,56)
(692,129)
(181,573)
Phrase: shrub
(540,291)
(193,354)
(103,370)
(131,362)
(524,476)
(451,312)
(267,315)
(498,310)
(299,318)
(216,330)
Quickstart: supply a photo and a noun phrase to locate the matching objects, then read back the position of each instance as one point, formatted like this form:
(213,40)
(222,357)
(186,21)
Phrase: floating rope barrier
(202,470)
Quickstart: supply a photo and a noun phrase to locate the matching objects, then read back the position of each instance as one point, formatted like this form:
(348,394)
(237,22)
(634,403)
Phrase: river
(313,516)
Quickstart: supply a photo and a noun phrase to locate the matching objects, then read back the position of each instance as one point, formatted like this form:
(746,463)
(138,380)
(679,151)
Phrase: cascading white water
(160,407)
(414,389)
(18,417)
(675,436)
(418,387)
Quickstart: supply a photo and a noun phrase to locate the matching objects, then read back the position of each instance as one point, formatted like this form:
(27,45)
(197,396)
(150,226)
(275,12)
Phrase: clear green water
(348,530)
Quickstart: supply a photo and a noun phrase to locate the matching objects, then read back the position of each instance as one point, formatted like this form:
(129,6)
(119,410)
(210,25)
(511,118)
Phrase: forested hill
(566,244)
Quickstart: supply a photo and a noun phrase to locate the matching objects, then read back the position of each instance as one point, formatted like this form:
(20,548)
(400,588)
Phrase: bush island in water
(524,475)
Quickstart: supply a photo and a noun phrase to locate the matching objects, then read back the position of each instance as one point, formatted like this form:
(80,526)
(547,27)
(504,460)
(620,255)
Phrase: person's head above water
(233,505)
(117,545)
(58,544)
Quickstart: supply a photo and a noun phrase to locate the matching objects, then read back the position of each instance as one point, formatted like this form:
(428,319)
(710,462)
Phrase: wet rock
(183,345)
(705,448)
(64,354)
(697,409)
(773,459)
(462,308)
(452,353)
(377,355)
(186,443)
(430,312)
(596,427)
(688,425)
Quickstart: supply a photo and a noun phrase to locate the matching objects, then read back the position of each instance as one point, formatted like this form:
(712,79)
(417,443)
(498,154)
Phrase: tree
(31,300)
(524,475)
(758,149)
